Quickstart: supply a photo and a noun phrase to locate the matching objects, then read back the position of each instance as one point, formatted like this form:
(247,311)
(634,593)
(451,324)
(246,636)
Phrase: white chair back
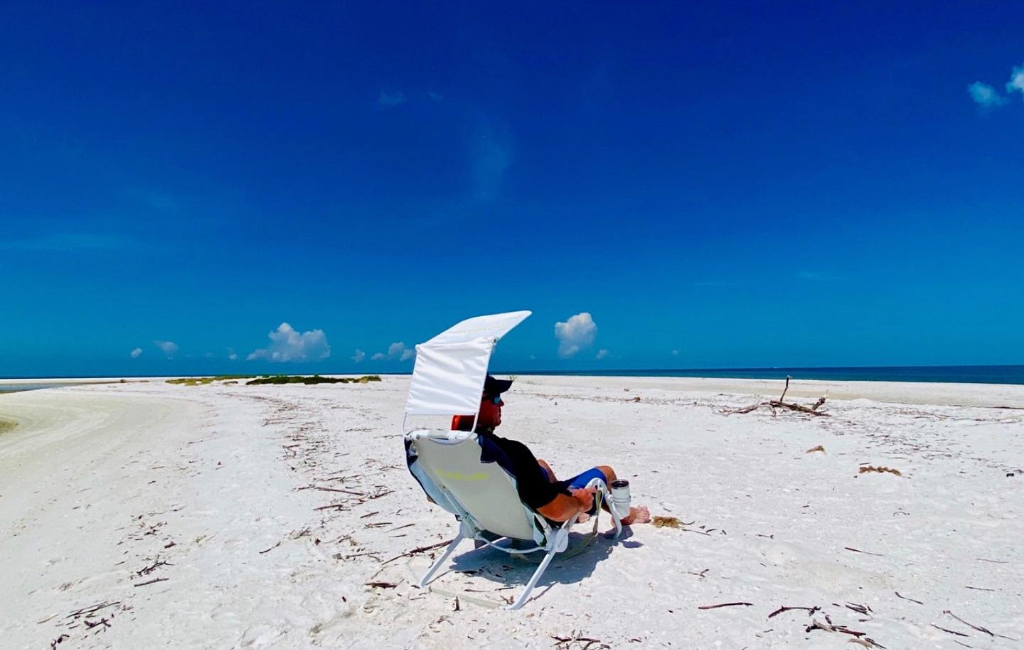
(485,491)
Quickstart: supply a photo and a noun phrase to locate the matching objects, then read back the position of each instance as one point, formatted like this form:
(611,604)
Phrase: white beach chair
(467,476)
(456,469)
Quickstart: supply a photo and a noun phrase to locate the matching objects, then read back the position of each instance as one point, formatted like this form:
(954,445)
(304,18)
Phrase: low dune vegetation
(258,380)
(315,379)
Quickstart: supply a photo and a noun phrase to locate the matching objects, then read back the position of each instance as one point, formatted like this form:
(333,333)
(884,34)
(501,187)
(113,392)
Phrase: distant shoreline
(963,374)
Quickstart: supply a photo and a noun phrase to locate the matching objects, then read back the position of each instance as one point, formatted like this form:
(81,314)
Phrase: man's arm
(563,507)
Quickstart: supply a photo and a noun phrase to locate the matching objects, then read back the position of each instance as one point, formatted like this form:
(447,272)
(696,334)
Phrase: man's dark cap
(494,386)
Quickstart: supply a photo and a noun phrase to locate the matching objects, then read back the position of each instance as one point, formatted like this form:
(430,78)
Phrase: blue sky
(717,185)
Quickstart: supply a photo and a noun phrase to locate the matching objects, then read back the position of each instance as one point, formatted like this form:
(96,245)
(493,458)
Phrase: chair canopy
(448,377)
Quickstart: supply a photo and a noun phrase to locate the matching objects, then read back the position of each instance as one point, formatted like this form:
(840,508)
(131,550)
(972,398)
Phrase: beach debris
(947,630)
(152,567)
(976,627)
(58,641)
(910,599)
(862,637)
(814,449)
(699,575)
(382,585)
(329,489)
(857,550)
(860,609)
(780,403)
(457,607)
(810,610)
(577,640)
(880,469)
(667,522)
(92,609)
(635,399)
(740,604)
(418,549)
(150,582)
(270,549)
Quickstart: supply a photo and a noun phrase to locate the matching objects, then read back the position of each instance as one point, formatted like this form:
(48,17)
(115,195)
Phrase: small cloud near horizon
(988,98)
(575,334)
(134,354)
(232,354)
(169,348)
(601,354)
(395,351)
(985,95)
(389,99)
(1016,82)
(287,344)
(358,356)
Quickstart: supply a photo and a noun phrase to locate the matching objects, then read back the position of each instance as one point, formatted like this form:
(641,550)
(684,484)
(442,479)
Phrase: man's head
(490,407)
(490,403)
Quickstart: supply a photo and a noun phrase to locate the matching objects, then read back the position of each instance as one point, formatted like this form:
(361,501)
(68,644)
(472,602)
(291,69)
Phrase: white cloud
(985,95)
(358,356)
(601,354)
(286,344)
(135,353)
(436,96)
(395,351)
(575,334)
(232,354)
(675,353)
(1016,82)
(169,348)
(391,99)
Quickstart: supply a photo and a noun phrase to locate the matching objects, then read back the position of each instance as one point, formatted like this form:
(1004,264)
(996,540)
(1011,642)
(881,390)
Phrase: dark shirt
(535,489)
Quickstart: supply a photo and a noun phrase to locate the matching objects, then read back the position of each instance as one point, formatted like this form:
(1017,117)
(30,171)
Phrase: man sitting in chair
(538,487)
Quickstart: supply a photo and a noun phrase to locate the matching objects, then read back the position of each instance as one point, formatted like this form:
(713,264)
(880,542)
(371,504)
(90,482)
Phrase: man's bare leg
(547,468)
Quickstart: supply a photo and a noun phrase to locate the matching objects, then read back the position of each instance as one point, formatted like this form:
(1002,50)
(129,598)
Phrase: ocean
(14,388)
(943,374)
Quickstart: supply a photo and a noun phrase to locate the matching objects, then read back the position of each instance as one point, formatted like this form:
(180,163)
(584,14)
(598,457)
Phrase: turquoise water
(14,388)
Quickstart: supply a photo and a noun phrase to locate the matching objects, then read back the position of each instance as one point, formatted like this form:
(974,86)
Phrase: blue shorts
(580,481)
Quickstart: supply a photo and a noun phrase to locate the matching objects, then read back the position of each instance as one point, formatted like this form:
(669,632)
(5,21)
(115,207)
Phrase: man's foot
(637,515)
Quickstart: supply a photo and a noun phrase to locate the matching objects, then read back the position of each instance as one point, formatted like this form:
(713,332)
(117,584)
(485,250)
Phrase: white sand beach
(146,515)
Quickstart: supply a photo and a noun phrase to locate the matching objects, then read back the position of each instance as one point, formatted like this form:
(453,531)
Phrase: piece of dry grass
(880,469)
(814,449)
(666,522)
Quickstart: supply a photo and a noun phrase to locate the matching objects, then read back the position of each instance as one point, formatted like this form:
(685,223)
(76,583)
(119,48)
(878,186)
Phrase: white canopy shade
(450,369)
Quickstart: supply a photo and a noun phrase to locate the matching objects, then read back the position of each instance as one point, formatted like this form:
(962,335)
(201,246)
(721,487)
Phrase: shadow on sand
(473,567)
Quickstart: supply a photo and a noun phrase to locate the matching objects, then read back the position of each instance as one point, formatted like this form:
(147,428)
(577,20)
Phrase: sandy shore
(243,517)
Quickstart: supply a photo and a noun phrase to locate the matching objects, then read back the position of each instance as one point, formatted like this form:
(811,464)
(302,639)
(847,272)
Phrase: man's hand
(586,498)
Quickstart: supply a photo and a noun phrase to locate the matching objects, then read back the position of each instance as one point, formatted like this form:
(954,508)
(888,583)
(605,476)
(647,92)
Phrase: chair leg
(606,495)
(434,567)
(533,581)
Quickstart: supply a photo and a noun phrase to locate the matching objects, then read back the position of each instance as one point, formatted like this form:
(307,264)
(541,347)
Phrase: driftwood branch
(910,599)
(810,610)
(780,403)
(418,549)
(726,605)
